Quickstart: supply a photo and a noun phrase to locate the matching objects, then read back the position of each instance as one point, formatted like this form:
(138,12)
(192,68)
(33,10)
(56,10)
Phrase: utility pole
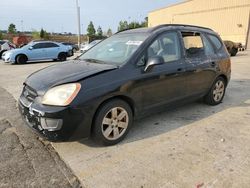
(22,25)
(78,23)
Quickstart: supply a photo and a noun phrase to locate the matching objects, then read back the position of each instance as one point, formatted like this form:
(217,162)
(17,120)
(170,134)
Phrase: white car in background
(36,51)
(5,45)
(86,47)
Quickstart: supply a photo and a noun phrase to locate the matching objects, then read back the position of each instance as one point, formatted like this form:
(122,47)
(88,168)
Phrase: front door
(37,52)
(164,83)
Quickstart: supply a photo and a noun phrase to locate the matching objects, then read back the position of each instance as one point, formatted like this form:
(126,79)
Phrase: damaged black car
(129,75)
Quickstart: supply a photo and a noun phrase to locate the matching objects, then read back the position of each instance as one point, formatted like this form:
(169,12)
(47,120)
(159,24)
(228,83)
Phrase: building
(229,18)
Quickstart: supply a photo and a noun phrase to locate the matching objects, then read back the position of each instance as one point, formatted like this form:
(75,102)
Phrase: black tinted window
(38,46)
(50,45)
(215,41)
(2,42)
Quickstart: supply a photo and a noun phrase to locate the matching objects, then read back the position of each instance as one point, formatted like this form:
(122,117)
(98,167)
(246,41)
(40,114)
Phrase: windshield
(115,50)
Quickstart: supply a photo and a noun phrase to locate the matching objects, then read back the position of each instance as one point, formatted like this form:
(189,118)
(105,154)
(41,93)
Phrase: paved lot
(195,145)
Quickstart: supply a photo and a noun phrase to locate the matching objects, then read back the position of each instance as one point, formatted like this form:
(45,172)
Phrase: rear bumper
(55,123)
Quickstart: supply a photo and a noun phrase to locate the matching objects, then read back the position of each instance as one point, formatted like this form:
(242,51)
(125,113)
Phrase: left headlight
(61,95)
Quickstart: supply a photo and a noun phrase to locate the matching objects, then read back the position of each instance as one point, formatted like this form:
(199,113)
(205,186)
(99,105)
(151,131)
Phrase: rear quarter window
(217,43)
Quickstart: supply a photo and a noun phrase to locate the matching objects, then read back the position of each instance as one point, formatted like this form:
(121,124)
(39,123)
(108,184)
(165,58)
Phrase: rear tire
(62,57)
(21,59)
(233,52)
(216,93)
(112,122)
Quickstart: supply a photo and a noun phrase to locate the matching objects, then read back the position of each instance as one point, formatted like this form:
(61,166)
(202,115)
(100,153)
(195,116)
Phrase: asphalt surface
(25,159)
(191,146)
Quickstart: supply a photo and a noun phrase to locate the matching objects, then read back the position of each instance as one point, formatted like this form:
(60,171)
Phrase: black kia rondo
(129,75)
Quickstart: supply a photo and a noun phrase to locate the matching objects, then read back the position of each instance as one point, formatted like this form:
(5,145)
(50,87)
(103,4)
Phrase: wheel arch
(21,54)
(224,77)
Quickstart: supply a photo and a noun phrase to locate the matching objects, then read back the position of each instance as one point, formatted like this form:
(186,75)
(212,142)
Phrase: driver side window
(166,46)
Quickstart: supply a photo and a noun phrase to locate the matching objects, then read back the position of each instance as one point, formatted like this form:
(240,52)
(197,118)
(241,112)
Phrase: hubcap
(115,123)
(218,91)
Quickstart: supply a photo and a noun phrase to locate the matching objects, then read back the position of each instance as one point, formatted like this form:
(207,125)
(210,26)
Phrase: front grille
(29,93)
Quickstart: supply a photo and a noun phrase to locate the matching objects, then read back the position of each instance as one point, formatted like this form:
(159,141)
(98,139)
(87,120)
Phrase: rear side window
(209,50)
(193,43)
(50,45)
(215,41)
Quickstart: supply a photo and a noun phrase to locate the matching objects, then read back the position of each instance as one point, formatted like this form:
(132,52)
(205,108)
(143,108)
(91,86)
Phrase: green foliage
(42,33)
(91,29)
(1,36)
(12,29)
(35,35)
(99,31)
(109,32)
(123,25)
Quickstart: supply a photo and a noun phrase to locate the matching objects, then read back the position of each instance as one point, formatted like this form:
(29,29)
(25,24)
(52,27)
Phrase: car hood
(14,51)
(67,72)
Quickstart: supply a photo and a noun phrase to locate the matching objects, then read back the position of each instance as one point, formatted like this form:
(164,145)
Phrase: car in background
(5,45)
(75,47)
(88,46)
(131,74)
(36,51)
(232,47)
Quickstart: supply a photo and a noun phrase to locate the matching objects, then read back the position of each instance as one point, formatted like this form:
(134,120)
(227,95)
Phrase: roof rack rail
(179,25)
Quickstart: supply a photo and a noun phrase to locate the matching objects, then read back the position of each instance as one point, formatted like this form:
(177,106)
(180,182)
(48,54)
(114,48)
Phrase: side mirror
(31,48)
(156,60)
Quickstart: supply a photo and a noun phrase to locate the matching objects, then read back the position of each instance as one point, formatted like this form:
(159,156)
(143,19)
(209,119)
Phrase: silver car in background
(88,46)
(36,51)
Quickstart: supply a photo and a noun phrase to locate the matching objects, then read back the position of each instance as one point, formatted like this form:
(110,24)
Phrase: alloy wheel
(218,91)
(115,123)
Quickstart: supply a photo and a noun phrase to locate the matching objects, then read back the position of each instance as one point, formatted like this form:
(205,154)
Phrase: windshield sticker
(136,43)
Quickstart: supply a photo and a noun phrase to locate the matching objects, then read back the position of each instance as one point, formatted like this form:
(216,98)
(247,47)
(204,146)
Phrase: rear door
(52,50)
(200,62)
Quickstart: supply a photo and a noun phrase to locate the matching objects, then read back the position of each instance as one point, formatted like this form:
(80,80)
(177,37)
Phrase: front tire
(217,92)
(21,59)
(112,122)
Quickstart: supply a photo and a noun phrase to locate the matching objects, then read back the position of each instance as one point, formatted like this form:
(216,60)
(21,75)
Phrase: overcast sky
(60,15)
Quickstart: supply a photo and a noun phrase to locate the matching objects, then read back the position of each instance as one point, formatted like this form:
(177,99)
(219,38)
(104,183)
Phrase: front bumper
(55,123)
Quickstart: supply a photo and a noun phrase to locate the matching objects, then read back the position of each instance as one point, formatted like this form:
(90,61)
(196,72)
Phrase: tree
(145,22)
(123,25)
(99,32)
(12,28)
(109,32)
(91,29)
(42,34)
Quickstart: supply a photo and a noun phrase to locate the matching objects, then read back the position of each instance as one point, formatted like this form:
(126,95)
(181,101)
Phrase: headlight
(61,95)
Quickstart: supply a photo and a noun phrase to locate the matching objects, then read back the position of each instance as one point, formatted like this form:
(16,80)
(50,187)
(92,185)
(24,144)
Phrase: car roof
(43,41)
(168,27)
